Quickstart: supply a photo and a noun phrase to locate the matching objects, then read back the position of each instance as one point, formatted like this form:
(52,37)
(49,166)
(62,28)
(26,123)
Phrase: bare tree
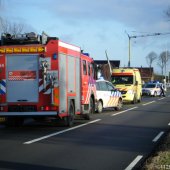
(10,27)
(167,12)
(163,60)
(150,58)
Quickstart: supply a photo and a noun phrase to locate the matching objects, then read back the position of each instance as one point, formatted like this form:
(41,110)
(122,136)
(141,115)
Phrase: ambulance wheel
(99,106)
(140,98)
(69,120)
(119,105)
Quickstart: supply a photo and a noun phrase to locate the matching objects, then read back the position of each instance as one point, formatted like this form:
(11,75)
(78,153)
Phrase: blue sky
(97,25)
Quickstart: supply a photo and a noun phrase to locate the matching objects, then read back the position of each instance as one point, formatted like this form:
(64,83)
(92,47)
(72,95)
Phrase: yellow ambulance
(128,81)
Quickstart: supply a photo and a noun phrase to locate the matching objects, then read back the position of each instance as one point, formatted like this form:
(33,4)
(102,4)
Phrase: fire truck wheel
(91,109)
(99,106)
(69,120)
(119,105)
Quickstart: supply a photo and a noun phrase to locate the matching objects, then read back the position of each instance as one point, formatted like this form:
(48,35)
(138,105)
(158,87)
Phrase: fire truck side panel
(71,75)
(78,85)
(69,82)
(22,78)
(62,83)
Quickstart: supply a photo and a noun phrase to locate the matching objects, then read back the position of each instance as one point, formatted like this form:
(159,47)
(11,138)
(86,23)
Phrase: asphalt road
(113,140)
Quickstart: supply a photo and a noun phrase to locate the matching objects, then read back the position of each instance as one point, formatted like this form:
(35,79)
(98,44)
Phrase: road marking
(123,111)
(148,103)
(161,98)
(169,124)
(60,132)
(135,161)
(157,137)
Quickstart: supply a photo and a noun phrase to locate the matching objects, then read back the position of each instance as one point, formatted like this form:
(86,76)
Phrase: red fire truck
(41,76)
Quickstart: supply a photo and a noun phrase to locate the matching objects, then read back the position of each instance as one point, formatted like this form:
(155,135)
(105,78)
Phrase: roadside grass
(160,160)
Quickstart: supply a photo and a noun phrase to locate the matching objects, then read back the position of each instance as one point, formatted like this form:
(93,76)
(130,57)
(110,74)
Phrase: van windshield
(122,79)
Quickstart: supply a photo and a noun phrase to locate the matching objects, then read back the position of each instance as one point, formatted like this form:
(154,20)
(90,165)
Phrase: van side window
(84,67)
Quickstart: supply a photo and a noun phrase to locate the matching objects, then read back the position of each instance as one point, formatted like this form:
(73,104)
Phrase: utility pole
(129,37)
(138,36)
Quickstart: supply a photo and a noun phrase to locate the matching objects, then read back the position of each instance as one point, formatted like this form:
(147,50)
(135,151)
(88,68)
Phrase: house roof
(146,71)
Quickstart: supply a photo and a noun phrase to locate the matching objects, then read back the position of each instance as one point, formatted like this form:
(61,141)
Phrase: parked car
(108,96)
(151,89)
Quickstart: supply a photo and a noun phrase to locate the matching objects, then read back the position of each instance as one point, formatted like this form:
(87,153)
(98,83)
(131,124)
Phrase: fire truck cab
(41,76)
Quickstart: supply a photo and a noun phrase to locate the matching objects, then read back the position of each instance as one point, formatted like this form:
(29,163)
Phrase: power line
(140,36)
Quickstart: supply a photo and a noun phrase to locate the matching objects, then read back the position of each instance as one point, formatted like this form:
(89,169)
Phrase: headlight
(130,92)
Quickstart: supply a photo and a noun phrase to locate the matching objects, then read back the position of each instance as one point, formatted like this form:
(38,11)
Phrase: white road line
(157,137)
(60,132)
(169,124)
(161,98)
(148,103)
(135,161)
(123,111)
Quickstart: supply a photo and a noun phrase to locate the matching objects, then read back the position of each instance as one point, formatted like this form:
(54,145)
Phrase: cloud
(135,13)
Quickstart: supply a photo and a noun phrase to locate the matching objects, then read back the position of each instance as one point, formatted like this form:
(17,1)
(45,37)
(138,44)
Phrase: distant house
(147,73)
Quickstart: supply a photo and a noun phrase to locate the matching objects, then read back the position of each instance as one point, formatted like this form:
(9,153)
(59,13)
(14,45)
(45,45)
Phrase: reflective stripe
(3,86)
(91,88)
(48,89)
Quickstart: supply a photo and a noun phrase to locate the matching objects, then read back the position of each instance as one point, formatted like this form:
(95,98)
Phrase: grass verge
(160,160)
